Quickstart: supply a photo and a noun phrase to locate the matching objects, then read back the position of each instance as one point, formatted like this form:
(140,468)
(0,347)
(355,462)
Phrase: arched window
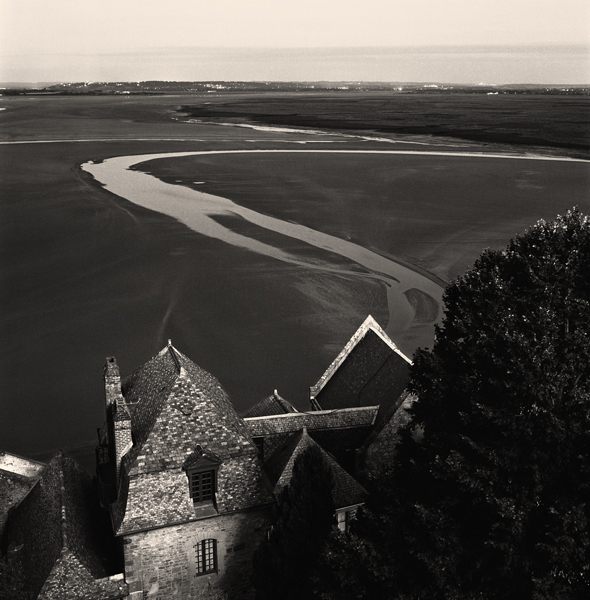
(205,557)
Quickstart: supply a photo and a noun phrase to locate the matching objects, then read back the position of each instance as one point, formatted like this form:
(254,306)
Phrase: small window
(202,486)
(342,518)
(206,557)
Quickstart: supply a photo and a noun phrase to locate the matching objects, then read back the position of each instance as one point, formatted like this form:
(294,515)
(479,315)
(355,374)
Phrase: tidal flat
(87,274)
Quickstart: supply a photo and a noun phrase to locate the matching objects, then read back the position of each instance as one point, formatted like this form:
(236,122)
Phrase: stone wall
(160,563)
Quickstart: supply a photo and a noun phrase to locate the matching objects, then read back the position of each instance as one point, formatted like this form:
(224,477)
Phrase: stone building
(182,479)
(58,536)
(189,485)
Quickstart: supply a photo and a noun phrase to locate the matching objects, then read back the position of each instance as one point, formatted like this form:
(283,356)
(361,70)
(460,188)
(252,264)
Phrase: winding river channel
(414,300)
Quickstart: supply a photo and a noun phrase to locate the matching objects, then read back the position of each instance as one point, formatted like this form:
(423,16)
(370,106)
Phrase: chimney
(122,428)
(118,417)
(112,382)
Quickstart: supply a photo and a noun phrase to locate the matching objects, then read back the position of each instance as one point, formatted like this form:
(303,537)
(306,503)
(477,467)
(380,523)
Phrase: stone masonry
(159,564)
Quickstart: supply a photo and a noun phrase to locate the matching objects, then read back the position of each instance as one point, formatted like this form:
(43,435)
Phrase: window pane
(202,486)
(199,557)
(209,552)
(205,557)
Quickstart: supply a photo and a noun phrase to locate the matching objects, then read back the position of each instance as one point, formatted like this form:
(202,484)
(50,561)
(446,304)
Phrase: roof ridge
(369,324)
(305,441)
(62,494)
(172,350)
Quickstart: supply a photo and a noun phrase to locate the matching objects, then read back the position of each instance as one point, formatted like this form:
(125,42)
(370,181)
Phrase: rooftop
(272,405)
(59,526)
(19,465)
(369,371)
(179,412)
(279,468)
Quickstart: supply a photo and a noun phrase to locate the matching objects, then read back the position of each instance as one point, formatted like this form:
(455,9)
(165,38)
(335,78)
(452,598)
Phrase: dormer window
(201,468)
(202,485)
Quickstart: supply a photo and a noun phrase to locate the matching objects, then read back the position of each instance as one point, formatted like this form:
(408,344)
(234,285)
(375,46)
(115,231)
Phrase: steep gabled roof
(17,477)
(61,517)
(180,413)
(172,381)
(368,371)
(346,490)
(272,405)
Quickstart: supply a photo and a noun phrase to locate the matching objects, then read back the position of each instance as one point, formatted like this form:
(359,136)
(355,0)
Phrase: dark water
(535,64)
(90,274)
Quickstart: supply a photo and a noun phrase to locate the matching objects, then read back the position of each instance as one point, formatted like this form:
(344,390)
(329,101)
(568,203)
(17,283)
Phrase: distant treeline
(188,87)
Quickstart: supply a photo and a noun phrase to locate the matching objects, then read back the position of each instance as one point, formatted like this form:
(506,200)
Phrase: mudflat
(433,212)
(87,274)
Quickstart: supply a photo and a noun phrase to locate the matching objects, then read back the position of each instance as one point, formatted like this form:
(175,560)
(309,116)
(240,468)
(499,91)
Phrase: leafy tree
(284,563)
(349,568)
(490,494)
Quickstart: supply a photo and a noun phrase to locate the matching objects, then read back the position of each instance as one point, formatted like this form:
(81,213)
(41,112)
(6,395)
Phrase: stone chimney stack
(118,415)
(123,437)
(112,382)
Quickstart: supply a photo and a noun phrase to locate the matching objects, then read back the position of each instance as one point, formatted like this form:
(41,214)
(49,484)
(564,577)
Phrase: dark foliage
(11,578)
(285,562)
(490,494)
(349,568)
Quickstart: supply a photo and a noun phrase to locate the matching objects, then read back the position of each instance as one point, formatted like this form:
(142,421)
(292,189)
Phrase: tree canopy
(490,493)
(285,563)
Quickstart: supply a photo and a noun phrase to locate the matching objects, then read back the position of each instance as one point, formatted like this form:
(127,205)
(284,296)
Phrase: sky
(73,40)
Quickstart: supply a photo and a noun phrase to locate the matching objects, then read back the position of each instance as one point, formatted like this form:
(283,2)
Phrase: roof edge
(369,324)
(21,465)
(314,413)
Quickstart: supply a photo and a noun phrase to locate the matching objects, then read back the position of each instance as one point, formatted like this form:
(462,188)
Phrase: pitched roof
(172,381)
(346,490)
(339,432)
(272,405)
(61,512)
(176,408)
(343,418)
(17,477)
(369,370)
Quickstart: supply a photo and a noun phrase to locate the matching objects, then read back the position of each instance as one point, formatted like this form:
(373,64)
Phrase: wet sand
(434,212)
(87,274)
(198,211)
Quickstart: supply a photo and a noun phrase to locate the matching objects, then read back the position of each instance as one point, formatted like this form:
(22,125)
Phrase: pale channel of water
(414,301)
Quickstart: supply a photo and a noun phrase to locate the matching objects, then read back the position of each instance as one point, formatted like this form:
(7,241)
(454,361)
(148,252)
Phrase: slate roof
(339,432)
(272,405)
(59,524)
(387,412)
(176,406)
(17,477)
(319,419)
(346,490)
(172,380)
(369,371)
